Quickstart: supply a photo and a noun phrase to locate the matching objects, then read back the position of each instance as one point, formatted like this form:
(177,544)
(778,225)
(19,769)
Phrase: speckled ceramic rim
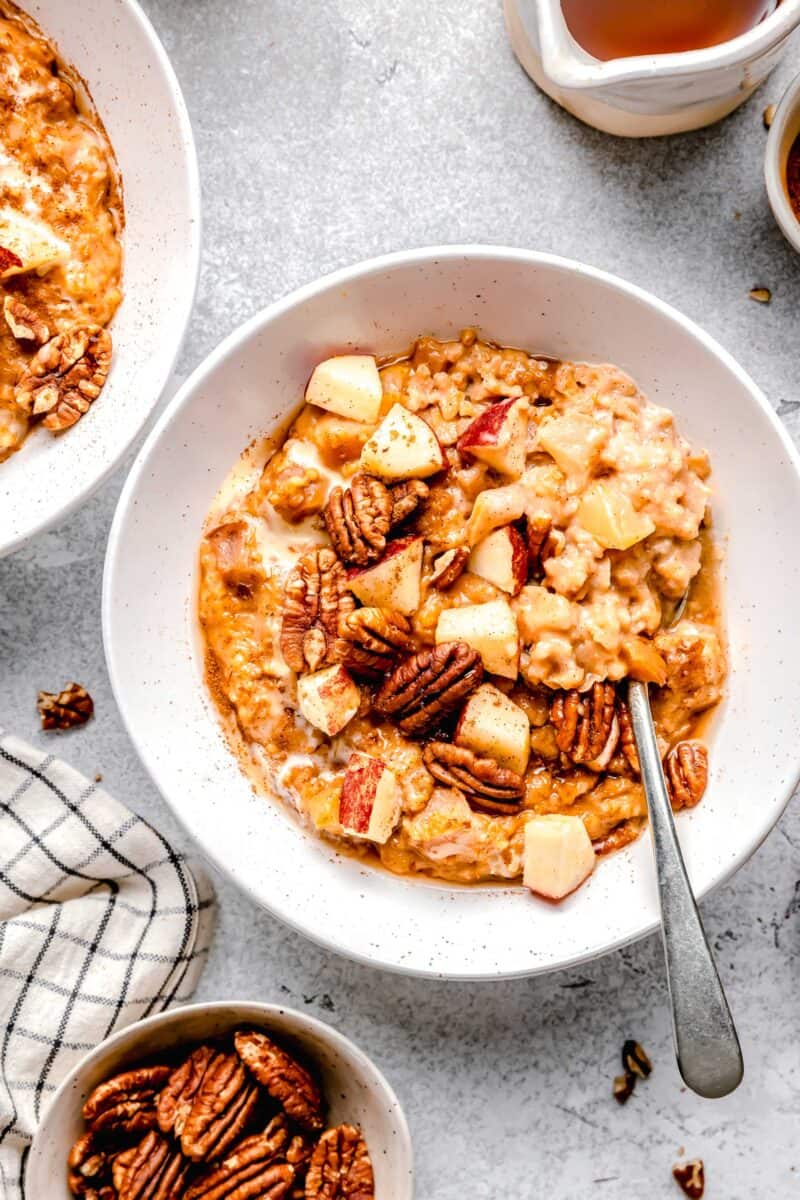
(432,929)
(381,1115)
(784,129)
(97,452)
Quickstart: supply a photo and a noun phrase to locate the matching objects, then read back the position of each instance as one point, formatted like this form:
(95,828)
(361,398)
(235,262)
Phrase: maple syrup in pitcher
(621,28)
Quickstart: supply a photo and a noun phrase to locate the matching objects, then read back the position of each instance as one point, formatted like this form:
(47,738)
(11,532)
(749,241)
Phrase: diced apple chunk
(498,437)
(643,660)
(369,807)
(402,447)
(558,855)
(489,628)
(495,507)
(394,581)
(607,513)
(493,725)
(328,699)
(348,385)
(29,245)
(574,440)
(502,558)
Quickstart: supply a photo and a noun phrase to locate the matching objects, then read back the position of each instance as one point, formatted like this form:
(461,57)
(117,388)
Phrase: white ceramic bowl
(114,47)
(356,1090)
(784,129)
(257,375)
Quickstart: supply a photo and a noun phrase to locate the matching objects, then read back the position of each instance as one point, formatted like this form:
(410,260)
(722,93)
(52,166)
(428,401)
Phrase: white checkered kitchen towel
(101,923)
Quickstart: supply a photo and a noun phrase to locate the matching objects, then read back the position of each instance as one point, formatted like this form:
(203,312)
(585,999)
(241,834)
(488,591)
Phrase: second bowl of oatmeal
(389,641)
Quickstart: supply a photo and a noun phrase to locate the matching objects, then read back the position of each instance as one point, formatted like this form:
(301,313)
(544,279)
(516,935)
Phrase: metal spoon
(706,1044)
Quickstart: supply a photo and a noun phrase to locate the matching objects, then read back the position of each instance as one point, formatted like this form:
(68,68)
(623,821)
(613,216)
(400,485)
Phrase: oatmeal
(419,609)
(61,219)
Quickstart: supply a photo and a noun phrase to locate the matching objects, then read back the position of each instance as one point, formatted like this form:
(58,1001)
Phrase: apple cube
(348,385)
(494,507)
(574,440)
(369,806)
(502,558)
(498,437)
(558,855)
(489,628)
(608,514)
(328,699)
(495,726)
(402,447)
(394,581)
(27,245)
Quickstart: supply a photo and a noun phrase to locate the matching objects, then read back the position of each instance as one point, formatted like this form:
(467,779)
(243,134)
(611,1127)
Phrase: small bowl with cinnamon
(225,1100)
(782,164)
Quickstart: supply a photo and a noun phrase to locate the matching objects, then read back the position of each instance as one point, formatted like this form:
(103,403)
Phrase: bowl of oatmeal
(434,512)
(98,253)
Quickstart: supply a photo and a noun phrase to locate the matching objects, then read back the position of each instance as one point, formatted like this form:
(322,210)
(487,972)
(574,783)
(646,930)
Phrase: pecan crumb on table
(420,618)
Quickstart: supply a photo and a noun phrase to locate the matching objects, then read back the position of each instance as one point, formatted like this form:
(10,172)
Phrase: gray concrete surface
(328,133)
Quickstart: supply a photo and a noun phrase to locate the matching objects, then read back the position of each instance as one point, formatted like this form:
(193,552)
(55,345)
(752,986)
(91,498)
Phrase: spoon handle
(706,1044)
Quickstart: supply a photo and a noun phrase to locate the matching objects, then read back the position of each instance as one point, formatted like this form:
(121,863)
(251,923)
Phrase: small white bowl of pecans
(222,1101)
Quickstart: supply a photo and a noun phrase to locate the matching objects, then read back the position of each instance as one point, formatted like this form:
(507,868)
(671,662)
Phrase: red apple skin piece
(392,549)
(358,792)
(519,559)
(485,428)
(398,589)
(514,552)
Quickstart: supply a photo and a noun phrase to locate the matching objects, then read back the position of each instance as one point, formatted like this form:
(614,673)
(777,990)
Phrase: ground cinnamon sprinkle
(793,176)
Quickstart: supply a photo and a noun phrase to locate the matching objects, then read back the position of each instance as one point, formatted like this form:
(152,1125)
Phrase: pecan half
(483,781)
(65,709)
(376,637)
(127,1102)
(177,1097)
(407,498)
(340,1167)
(429,685)
(448,567)
(222,1106)
(88,1165)
(66,376)
(23,322)
(249,1170)
(358,519)
(691,1178)
(283,1077)
(156,1171)
(686,772)
(316,598)
(121,1165)
(586,724)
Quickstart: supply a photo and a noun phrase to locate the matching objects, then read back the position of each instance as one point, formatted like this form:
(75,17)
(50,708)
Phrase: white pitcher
(651,94)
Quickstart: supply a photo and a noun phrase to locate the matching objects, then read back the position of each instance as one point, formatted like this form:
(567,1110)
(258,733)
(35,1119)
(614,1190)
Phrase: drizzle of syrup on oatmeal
(624,28)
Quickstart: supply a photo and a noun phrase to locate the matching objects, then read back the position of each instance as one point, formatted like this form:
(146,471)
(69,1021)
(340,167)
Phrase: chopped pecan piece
(23,322)
(448,567)
(340,1167)
(176,1099)
(627,742)
(316,599)
(686,772)
(156,1171)
(127,1102)
(66,376)
(406,499)
(358,519)
(586,724)
(691,1178)
(621,835)
(543,542)
(483,781)
(88,1165)
(428,686)
(250,1169)
(222,1106)
(376,637)
(286,1080)
(635,1060)
(623,1087)
(65,709)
